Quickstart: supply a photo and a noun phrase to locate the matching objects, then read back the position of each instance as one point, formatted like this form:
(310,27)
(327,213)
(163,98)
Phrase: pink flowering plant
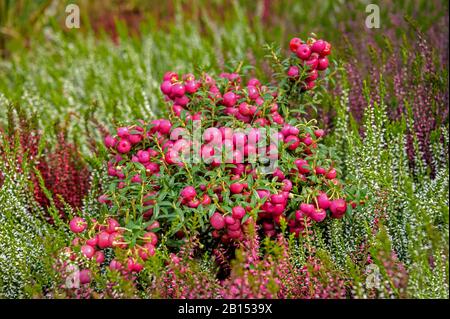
(229,153)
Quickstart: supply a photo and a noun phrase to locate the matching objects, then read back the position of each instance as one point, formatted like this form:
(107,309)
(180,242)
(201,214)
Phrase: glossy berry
(238,212)
(188,192)
(338,207)
(236,188)
(77,225)
(303,52)
(322,64)
(294,44)
(217,221)
(85,276)
(124,146)
(318,46)
(88,251)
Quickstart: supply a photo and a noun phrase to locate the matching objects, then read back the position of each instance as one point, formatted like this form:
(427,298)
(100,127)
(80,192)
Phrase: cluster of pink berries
(243,102)
(313,55)
(161,146)
(93,241)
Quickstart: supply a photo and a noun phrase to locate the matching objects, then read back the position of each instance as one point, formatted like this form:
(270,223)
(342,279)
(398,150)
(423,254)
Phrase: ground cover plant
(269,151)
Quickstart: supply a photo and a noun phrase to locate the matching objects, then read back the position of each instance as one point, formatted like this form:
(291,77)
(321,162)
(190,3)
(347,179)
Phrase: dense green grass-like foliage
(81,83)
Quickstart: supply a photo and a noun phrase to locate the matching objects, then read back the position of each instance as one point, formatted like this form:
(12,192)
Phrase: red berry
(323,201)
(229,99)
(303,51)
(124,146)
(188,192)
(166,87)
(238,212)
(178,90)
(293,72)
(320,170)
(229,220)
(103,240)
(112,225)
(217,221)
(327,49)
(338,207)
(294,44)
(318,46)
(322,64)
(293,142)
(99,257)
(307,208)
(77,225)
(236,188)
(151,237)
(110,141)
(319,133)
(331,174)
(88,251)
(318,215)
(85,276)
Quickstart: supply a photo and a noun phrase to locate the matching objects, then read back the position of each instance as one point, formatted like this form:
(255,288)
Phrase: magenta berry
(323,201)
(88,251)
(178,90)
(229,99)
(124,146)
(303,52)
(217,221)
(85,276)
(238,212)
(318,46)
(236,188)
(293,72)
(318,215)
(322,64)
(294,44)
(188,192)
(77,225)
(338,207)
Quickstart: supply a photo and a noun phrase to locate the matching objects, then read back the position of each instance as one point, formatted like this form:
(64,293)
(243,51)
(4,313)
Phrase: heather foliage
(382,102)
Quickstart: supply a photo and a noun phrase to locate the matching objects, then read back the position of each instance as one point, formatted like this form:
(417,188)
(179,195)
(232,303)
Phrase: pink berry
(188,192)
(294,44)
(166,87)
(318,215)
(318,46)
(77,225)
(229,99)
(103,240)
(151,237)
(217,221)
(85,276)
(293,72)
(238,212)
(331,174)
(338,207)
(303,51)
(236,188)
(88,251)
(293,142)
(99,257)
(308,209)
(124,146)
(110,141)
(323,201)
(112,225)
(322,64)
(178,90)
(123,132)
